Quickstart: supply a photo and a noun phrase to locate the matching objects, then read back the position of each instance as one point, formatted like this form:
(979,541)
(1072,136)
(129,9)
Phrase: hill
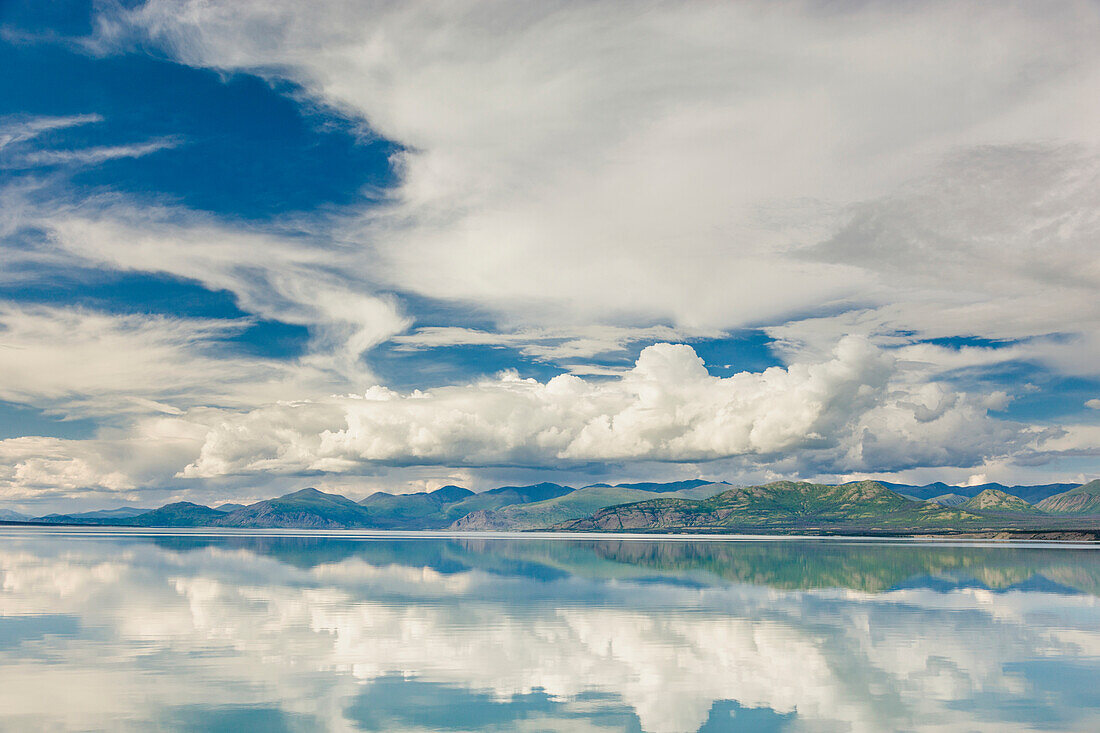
(120,512)
(992,501)
(99,516)
(179,514)
(1029,493)
(438,509)
(1084,499)
(308,508)
(575,505)
(422,510)
(784,504)
(505,496)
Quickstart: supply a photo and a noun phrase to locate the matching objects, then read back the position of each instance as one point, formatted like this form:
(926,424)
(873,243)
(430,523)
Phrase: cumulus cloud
(850,409)
(33,467)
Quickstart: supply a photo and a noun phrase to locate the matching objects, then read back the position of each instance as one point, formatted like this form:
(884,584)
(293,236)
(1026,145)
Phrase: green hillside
(308,508)
(577,504)
(504,496)
(992,501)
(784,504)
(1084,499)
(180,514)
(423,510)
(439,508)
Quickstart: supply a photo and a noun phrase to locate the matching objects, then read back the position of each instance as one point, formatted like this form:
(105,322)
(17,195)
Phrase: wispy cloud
(588,162)
(15,130)
(93,155)
(17,151)
(549,344)
(82,362)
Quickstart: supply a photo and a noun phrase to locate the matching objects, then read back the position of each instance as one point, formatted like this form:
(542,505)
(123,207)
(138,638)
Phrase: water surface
(282,631)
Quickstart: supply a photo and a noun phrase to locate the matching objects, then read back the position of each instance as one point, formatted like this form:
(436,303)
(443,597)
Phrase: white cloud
(585,160)
(293,279)
(18,130)
(853,409)
(93,156)
(1093,404)
(15,132)
(82,362)
(549,344)
(857,410)
(32,467)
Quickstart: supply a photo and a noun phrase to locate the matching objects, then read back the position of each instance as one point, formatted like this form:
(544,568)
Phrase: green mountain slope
(701,491)
(100,516)
(1084,499)
(308,508)
(577,504)
(439,508)
(992,501)
(505,496)
(180,514)
(783,504)
(423,510)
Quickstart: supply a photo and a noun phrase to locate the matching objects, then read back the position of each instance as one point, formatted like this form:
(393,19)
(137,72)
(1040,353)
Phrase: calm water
(269,632)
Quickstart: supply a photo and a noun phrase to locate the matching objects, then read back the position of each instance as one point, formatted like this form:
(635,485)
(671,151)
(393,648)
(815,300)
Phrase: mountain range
(1030,494)
(685,506)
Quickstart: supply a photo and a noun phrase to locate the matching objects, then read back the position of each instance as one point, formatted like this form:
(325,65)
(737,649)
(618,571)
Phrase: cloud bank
(850,412)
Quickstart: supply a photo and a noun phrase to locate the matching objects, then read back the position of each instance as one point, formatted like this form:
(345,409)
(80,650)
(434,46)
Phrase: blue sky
(248,247)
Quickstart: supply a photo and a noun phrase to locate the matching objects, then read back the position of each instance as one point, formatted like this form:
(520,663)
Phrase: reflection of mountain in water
(787,564)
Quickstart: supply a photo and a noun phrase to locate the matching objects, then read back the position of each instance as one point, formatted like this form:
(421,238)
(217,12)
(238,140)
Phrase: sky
(252,246)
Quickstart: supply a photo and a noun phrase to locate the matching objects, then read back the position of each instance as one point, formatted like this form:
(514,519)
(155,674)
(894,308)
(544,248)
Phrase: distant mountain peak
(447,494)
(995,500)
(309,491)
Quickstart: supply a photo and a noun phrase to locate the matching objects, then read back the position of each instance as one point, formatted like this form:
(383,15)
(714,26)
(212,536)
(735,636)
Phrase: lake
(104,629)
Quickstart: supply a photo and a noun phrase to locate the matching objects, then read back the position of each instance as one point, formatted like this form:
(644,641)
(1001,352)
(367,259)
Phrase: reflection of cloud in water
(130,634)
